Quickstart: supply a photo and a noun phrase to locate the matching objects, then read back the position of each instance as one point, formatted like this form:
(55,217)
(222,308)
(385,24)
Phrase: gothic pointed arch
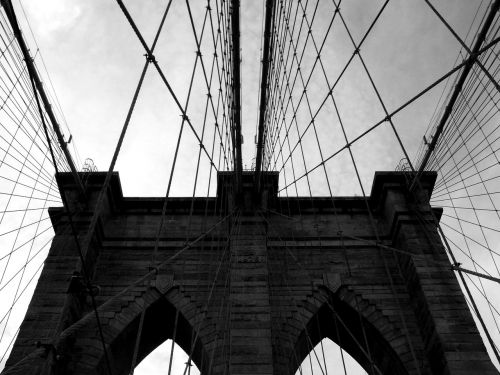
(167,316)
(358,327)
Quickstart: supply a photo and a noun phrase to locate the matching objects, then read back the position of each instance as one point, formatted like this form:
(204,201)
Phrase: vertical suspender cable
(263,90)
(75,236)
(447,113)
(458,88)
(9,10)
(236,110)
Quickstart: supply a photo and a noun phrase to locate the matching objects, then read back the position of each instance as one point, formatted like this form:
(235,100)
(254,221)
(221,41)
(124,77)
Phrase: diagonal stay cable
(75,237)
(104,188)
(339,77)
(398,109)
(151,58)
(457,89)
(372,82)
(198,41)
(138,336)
(293,256)
(462,43)
(83,250)
(317,59)
(165,201)
(71,330)
(25,288)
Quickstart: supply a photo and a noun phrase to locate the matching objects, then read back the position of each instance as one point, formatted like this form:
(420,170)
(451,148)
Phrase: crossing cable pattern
(466,156)
(299,139)
(304,17)
(209,81)
(27,184)
(229,144)
(218,80)
(289,261)
(305,134)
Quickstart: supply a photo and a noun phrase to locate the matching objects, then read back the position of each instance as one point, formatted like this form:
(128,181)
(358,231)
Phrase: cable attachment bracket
(150,58)
(456,266)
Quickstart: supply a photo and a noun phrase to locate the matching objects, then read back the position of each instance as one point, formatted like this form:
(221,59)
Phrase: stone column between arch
(452,342)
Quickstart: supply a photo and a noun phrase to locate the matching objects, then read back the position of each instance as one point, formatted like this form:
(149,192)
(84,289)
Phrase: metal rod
(236,112)
(464,46)
(9,10)
(456,91)
(263,90)
(456,267)
(467,290)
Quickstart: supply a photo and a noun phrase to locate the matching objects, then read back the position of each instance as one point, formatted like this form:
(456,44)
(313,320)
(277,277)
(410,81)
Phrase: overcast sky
(94,61)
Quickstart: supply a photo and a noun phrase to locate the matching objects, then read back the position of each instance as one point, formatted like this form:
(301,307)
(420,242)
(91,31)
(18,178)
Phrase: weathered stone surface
(259,291)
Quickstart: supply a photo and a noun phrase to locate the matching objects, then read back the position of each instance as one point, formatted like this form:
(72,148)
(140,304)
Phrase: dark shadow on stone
(349,336)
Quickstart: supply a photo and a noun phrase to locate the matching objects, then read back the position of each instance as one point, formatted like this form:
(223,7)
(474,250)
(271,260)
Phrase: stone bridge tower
(249,284)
